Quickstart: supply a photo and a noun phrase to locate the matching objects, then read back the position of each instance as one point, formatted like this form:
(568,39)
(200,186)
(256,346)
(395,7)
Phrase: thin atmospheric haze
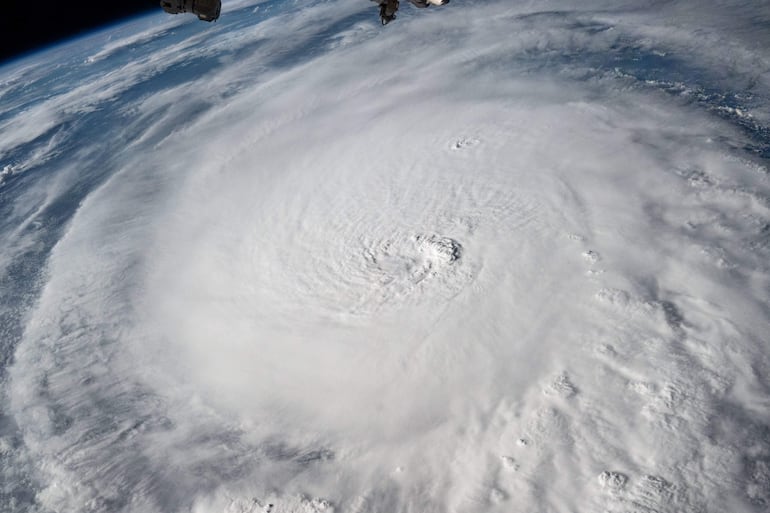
(496,256)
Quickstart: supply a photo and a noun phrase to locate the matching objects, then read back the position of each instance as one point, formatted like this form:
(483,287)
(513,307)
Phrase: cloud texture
(496,256)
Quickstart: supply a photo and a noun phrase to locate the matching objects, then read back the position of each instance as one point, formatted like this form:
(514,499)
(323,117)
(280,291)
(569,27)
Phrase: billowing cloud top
(499,256)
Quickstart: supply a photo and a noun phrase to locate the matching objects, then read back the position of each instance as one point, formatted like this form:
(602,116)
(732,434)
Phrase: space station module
(206,10)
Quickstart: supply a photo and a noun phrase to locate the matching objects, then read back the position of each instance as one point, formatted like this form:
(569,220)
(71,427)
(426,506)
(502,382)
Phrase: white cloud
(459,262)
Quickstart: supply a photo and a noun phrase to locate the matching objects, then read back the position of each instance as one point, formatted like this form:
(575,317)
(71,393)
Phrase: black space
(26,26)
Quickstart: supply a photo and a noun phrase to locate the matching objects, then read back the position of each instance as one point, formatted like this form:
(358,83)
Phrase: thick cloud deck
(497,256)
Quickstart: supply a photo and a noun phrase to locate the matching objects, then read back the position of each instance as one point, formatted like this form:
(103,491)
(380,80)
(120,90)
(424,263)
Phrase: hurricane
(495,256)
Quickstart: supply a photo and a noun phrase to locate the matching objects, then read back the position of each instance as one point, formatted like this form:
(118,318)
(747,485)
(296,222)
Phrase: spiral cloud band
(498,256)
